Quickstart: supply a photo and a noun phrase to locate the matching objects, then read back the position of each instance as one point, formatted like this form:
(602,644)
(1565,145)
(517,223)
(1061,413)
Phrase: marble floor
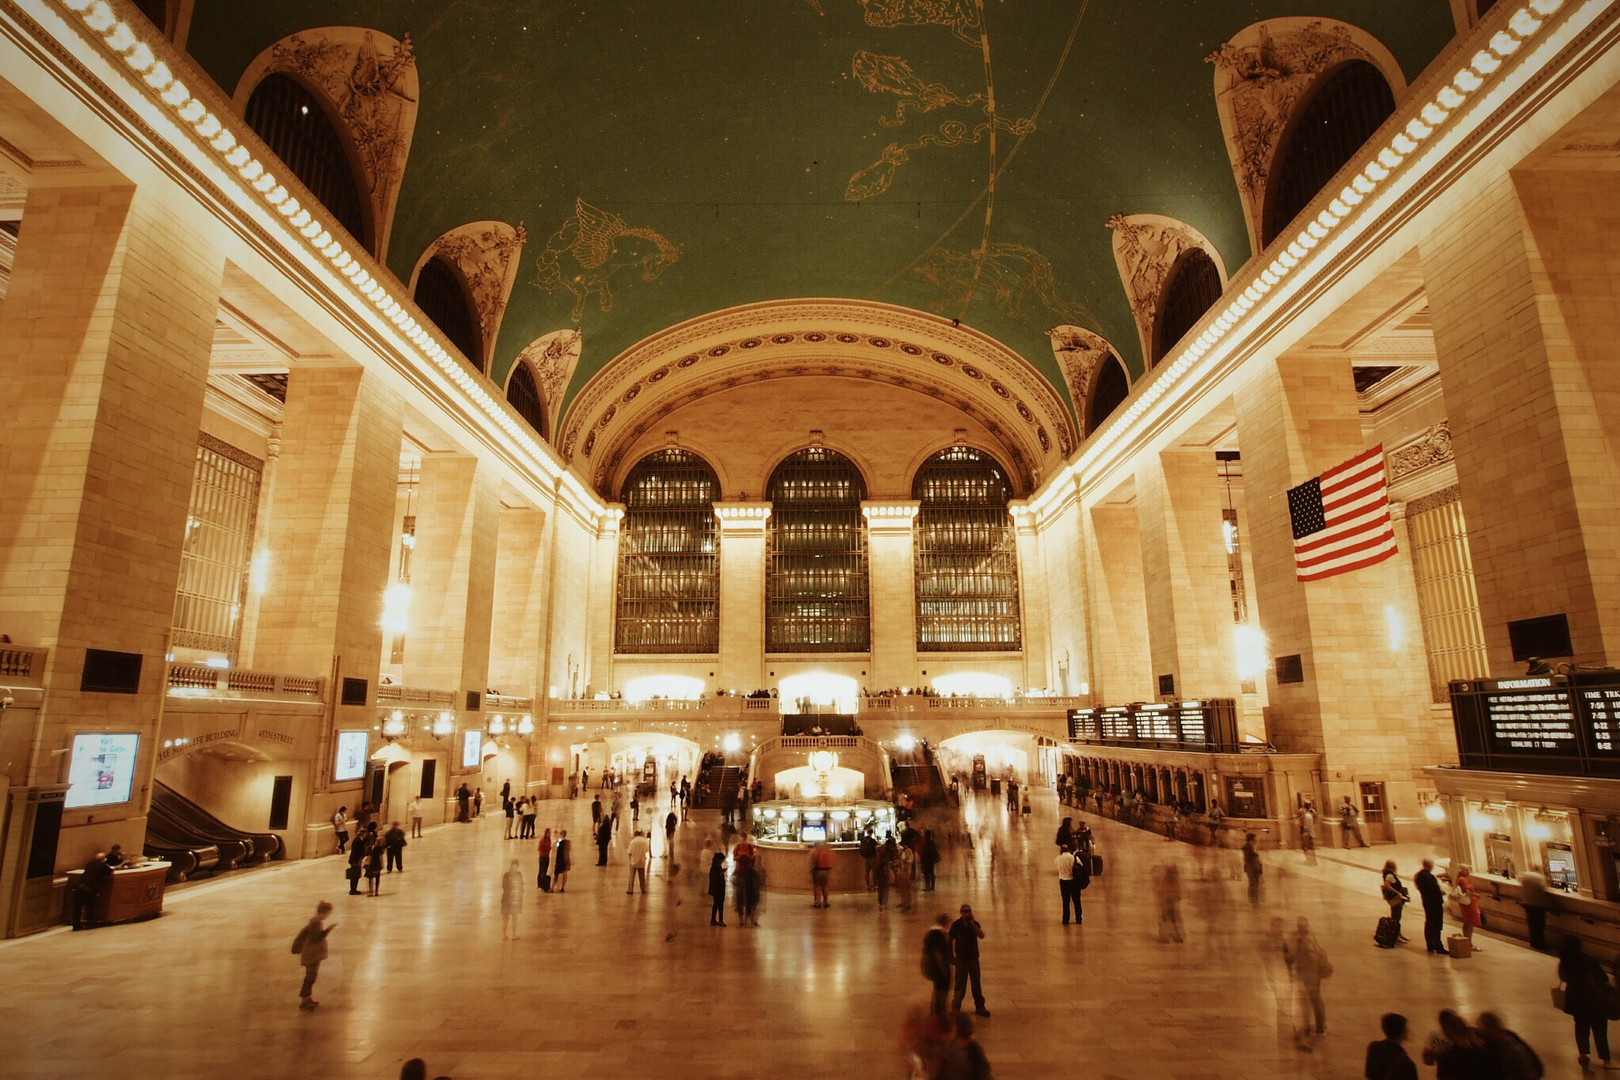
(607,985)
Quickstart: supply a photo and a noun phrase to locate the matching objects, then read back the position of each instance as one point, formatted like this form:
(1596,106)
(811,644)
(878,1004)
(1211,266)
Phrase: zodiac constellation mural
(1013,276)
(961,17)
(599,245)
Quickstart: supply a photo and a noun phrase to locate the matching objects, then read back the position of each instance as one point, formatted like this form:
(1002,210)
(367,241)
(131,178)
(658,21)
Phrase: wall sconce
(394,727)
(444,725)
(497,725)
(525,726)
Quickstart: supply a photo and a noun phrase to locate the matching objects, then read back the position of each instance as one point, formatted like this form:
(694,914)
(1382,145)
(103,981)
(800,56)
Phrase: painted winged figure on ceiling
(593,246)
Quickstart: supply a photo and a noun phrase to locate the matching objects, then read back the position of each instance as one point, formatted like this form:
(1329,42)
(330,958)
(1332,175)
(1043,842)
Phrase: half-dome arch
(523,394)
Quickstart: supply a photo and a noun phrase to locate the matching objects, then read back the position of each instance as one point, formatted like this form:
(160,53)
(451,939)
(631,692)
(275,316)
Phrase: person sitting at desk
(115,856)
(97,874)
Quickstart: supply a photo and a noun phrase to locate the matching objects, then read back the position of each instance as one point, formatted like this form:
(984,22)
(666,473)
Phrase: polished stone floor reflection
(607,985)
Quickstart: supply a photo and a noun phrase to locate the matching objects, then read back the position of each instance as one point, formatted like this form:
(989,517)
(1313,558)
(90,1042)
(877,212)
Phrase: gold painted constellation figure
(1013,275)
(601,244)
(961,17)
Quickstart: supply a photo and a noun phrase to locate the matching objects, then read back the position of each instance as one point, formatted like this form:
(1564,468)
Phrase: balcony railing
(764,708)
(420,697)
(22,665)
(187,679)
(506,703)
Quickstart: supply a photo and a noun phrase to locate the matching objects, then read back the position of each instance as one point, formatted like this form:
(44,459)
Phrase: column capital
(742,518)
(894,515)
(1025,517)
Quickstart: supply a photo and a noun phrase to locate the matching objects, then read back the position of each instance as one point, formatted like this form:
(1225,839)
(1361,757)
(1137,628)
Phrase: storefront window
(1245,797)
(1549,841)
(1491,831)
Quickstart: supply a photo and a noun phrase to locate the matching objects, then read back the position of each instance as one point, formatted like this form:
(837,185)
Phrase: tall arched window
(816,594)
(524,396)
(967,560)
(443,298)
(669,565)
(293,123)
(1335,122)
(1108,392)
(1195,285)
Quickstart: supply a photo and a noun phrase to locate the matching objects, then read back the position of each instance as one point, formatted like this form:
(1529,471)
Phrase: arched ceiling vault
(967,370)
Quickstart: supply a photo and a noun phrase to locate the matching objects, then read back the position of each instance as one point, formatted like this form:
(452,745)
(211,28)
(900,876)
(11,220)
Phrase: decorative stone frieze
(1146,250)
(487,254)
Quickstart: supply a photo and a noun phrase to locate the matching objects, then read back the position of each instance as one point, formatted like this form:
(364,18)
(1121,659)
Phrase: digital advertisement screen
(102,771)
(351,755)
(472,749)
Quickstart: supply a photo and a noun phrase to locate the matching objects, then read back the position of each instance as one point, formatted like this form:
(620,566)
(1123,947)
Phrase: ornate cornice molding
(843,338)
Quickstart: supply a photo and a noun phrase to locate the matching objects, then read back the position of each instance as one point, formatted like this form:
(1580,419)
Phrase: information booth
(785,830)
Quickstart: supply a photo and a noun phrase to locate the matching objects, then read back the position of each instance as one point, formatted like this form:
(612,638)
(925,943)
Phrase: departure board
(1560,723)
(1208,725)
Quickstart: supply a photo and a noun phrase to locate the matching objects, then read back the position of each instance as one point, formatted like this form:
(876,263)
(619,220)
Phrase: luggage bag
(1388,934)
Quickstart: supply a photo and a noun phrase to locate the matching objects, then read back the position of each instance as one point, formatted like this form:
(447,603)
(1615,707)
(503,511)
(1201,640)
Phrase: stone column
(1121,665)
(1185,574)
(105,336)
(453,581)
(1034,598)
(891,549)
(332,532)
(742,594)
(603,606)
(1521,289)
(259,567)
(1362,692)
(519,612)
(1064,558)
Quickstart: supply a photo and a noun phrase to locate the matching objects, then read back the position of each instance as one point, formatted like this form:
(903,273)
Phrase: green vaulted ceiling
(751,150)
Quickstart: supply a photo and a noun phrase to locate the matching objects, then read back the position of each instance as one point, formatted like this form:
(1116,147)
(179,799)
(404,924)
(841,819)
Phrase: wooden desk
(131,893)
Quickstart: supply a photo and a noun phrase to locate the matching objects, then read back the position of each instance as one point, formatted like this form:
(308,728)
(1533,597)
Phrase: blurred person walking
(310,948)
(542,880)
(1511,1057)
(1309,965)
(928,857)
(1169,882)
(1252,868)
(717,889)
(821,864)
(936,963)
(1587,998)
(1387,1058)
(511,901)
(604,837)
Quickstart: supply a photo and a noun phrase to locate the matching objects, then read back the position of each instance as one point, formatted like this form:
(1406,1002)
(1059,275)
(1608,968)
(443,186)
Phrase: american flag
(1341,518)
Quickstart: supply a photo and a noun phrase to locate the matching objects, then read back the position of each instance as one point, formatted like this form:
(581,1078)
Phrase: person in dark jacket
(928,857)
(564,860)
(604,837)
(1386,1058)
(936,963)
(95,880)
(1586,993)
(1434,908)
(965,934)
(717,889)
(357,863)
(394,841)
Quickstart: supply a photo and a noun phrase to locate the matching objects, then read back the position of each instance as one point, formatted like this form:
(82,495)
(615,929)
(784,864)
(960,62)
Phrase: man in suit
(965,933)
(1434,908)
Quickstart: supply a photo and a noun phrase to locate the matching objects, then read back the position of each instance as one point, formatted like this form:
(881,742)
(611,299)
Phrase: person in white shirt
(639,852)
(1067,889)
(416,817)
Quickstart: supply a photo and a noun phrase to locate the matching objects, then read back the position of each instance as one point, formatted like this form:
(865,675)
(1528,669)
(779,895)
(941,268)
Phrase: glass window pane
(966,558)
(816,592)
(669,557)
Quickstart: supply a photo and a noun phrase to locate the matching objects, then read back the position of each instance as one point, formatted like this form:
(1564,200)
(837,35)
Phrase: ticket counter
(133,892)
(785,830)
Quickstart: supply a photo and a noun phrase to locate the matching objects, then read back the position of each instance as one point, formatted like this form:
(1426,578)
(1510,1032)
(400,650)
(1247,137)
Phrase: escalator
(196,842)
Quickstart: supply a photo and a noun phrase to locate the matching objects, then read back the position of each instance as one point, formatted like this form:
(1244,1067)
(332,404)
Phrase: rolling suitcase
(1388,933)
(1096,866)
(545,882)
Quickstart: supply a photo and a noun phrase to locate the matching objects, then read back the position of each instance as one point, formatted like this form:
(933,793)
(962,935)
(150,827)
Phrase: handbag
(1558,997)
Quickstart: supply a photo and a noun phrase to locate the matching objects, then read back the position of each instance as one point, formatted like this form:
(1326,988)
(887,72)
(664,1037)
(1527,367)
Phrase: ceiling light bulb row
(1435,115)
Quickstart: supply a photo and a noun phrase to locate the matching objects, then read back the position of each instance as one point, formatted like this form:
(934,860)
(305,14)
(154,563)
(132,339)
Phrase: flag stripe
(1341,522)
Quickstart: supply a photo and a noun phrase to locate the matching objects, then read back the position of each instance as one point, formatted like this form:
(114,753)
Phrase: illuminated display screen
(472,749)
(351,755)
(102,771)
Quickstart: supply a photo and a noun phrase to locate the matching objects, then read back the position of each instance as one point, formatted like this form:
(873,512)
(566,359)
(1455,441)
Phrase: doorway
(1375,813)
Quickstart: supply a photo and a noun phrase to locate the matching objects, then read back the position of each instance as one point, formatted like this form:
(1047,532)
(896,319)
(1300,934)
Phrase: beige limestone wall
(892,572)
(519,613)
(1063,561)
(1121,663)
(1522,295)
(742,528)
(107,329)
(452,576)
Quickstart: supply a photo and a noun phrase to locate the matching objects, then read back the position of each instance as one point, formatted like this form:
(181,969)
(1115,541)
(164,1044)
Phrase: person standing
(746,859)
(1533,897)
(904,865)
(1252,868)
(531,810)
(717,889)
(543,848)
(670,821)
(613,814)
(340,826)
(821,864)
(936,963)
(928,857)
(869,850)
(604,837)
(1310,966)
(1395,895)
(596,811)
(478,803)
(1434,908)
(635,810)
(883,871)
(416,817)
(1586,997)
(463,804)
(1065,876)
(1386,1057)
(394,843)
(1350,823)
(1214,818)
(374,862)
(511,901)
(565,860)
(966,934)
(357,864)
(310,946)
(638,854)
(509,810)
(94,879)
(1467,897)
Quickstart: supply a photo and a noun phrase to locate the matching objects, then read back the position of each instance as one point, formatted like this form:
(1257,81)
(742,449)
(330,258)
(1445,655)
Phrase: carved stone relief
(371,80)
(1433,447)
(1262,74)
(487,254)
(552,358)
(1146,249)
(1079,353)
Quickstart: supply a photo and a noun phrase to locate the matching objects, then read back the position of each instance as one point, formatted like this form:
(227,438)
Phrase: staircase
(917,775)
(721,779)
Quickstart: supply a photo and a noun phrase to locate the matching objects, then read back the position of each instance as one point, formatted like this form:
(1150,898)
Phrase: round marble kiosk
(784,831)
